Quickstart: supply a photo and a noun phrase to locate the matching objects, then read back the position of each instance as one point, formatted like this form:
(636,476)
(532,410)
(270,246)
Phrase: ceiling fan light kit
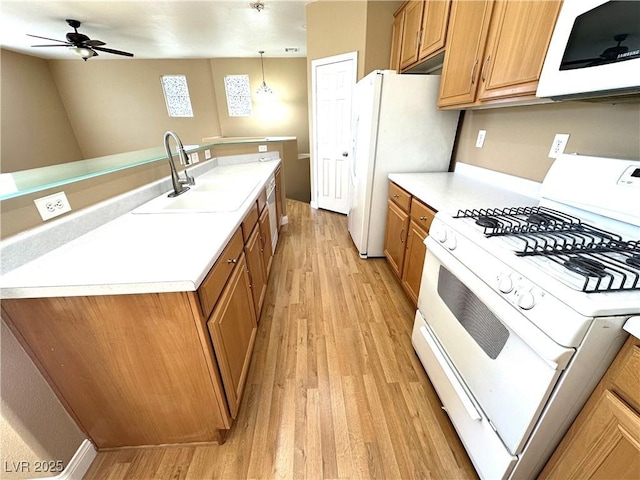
(80,44)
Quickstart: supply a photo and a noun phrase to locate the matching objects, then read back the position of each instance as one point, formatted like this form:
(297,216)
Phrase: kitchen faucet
(178,183)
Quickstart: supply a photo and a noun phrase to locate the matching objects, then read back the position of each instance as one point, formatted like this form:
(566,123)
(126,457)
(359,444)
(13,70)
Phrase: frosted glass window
(238,95)
(176,95)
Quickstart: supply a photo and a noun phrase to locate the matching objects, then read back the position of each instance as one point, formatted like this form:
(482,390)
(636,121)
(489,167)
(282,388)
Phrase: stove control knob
(505,284)
(441,235)
(526,300)
(452,242)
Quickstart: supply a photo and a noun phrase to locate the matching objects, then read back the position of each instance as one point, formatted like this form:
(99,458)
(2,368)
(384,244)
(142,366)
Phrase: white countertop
(468,188)
(139,253)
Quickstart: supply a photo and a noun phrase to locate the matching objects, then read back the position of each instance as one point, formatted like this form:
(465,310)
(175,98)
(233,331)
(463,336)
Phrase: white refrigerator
(396,129)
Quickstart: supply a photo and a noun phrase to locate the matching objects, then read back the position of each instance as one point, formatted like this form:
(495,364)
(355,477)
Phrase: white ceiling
(158,29)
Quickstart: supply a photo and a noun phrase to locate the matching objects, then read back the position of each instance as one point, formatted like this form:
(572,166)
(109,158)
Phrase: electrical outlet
(52,205)
(480,139)
(262,148)
(207,154)
(194,158)
(558,145)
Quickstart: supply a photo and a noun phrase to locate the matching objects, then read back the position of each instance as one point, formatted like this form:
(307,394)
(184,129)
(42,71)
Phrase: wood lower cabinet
(233,330)
(135,370)
(408,222)
(396,237)
(265,240)
(280,197)
(255,262)
(495,51)
(604,440)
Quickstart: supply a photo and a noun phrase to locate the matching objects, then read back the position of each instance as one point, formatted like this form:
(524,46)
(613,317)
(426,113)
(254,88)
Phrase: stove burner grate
(602,259)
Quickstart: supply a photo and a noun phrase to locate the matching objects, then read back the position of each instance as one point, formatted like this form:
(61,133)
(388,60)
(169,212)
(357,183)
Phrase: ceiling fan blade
(65,45)
(116,52)
(45,38)
(94,43)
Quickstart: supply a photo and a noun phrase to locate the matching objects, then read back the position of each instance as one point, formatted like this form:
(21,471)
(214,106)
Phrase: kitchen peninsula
(120,320)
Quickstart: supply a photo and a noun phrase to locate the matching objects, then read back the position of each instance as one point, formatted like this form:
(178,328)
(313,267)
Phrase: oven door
(506,365)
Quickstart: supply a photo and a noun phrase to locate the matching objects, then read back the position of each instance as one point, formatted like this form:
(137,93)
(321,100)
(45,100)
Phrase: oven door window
(506,376)
(606,34)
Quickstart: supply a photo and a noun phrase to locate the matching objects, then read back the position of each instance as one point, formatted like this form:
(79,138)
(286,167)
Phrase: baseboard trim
(79,463)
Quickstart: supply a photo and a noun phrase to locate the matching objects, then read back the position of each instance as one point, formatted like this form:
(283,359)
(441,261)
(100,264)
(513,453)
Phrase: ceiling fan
(609,55)
(80,43)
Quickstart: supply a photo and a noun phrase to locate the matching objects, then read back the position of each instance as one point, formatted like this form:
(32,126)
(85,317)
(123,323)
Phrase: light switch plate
(194,158)
(52,205)
(207,154)
(480,139)
(262,148)
(558,145)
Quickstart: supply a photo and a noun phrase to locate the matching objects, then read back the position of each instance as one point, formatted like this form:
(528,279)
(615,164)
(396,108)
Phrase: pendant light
(264,89)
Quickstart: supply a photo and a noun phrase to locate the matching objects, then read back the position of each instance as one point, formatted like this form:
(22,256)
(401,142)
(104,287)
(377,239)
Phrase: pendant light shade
(264,89)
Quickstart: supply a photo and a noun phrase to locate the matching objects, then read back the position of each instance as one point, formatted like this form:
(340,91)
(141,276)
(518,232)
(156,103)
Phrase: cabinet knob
(395,195)
(423,218)
(232,260)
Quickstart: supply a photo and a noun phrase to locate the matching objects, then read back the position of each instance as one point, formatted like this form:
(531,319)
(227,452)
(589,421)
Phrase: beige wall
(519,138)
(284,115)
(118,105)
(33,425)
(35,130)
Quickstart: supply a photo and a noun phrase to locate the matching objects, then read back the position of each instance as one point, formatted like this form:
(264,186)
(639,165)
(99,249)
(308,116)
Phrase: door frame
(314,146)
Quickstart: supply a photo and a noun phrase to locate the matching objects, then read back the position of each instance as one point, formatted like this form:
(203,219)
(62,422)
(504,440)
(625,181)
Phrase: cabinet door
(516,47)
(279,197)
(414,261)
(257,273)
(468,29)
(434,27)
(395,237)
(607,444)
(411,33)
(233,330)
(265,240)
(396,41)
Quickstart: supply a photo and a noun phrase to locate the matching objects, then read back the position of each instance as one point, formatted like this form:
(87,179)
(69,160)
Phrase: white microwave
(594,52)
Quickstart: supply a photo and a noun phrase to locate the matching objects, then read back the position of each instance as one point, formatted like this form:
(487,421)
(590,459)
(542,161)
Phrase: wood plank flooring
(335,389)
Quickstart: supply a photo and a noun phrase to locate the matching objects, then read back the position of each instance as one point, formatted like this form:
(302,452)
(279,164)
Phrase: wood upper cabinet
(419,32)
(468,30)
(495,51)
(435,20)
(412,24)
(396,41)
(604,440)
(233,330)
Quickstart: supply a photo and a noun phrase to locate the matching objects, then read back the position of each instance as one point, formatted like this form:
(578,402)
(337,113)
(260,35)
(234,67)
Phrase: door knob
(345,154)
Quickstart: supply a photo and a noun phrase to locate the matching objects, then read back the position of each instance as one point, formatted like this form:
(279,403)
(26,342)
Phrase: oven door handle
(453,378)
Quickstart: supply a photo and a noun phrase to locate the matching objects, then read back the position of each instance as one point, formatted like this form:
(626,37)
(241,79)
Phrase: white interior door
(333,80)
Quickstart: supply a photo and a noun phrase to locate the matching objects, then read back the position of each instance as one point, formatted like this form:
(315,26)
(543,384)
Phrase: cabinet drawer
(625,383)
(421,214)
(249,222)
(216,279)
(399,197)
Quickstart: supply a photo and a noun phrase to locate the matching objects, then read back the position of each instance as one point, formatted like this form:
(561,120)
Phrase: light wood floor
(335,389)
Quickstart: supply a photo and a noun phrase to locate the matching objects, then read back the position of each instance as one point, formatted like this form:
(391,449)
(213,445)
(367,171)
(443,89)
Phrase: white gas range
(521,309)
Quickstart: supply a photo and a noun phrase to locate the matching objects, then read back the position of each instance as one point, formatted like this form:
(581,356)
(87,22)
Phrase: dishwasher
(271,205)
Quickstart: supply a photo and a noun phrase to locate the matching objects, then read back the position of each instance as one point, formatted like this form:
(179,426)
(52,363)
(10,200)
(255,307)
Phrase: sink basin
(209,196)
